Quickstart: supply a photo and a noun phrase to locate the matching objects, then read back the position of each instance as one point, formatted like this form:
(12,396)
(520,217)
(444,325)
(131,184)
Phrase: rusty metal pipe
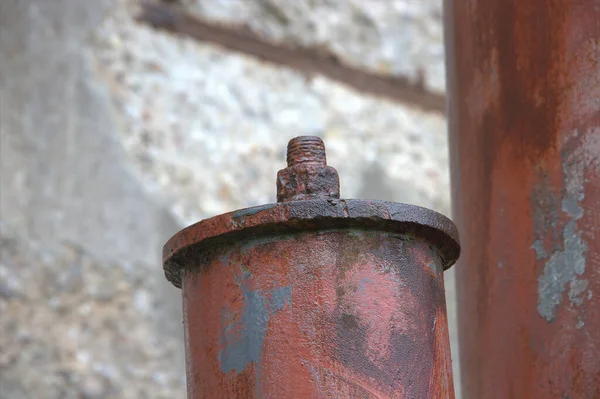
(524,115)
(314,296)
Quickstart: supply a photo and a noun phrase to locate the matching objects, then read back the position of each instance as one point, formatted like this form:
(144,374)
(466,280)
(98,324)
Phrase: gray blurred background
(115,133)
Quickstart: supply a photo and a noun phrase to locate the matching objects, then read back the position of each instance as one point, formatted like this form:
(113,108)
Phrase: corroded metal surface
(524,87)
(316,298)
(298,216)
(307,175)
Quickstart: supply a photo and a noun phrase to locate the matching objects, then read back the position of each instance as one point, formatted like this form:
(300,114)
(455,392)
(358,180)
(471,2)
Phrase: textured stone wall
(115,134)
(389,37)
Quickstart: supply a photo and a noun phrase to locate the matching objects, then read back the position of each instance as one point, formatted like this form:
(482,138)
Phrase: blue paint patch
(225,257)
(279,297)
(357,234)
(540,251)
(253,242)
(434,266)
(363,283)
(566,265)
(243,340)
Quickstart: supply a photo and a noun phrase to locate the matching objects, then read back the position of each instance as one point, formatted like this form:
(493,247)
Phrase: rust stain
(441,380)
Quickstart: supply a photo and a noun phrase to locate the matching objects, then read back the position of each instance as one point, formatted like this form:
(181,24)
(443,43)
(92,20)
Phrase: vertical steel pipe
(314,296)
(524,116)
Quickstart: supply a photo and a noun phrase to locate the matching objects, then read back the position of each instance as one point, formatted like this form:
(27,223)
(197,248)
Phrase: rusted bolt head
(307,175)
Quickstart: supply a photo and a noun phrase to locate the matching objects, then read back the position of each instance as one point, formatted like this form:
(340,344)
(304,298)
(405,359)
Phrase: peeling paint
(243,340)
(538,247)
(571,206)
(577,288)
(562,268)
(568,264)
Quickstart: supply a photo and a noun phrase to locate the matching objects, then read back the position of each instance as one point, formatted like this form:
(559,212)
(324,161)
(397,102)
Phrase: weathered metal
(315,296)
(524,117)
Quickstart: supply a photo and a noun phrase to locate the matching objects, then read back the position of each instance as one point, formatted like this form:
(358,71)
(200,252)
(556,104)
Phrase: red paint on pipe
(524,96)
(316,298)
(366,321)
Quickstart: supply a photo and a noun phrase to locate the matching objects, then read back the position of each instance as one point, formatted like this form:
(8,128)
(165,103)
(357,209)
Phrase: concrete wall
(115,134)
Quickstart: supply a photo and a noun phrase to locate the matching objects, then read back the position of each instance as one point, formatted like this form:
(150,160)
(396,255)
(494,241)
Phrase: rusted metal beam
(524,116)
(315,296)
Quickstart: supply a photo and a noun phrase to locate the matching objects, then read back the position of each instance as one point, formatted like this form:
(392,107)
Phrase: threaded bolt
(306,149)
(307,175)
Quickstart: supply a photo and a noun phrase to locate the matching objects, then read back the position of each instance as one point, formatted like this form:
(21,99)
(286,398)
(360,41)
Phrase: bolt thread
(306,149)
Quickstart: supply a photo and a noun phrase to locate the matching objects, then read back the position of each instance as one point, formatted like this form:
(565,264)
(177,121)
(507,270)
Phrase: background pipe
(524,115)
